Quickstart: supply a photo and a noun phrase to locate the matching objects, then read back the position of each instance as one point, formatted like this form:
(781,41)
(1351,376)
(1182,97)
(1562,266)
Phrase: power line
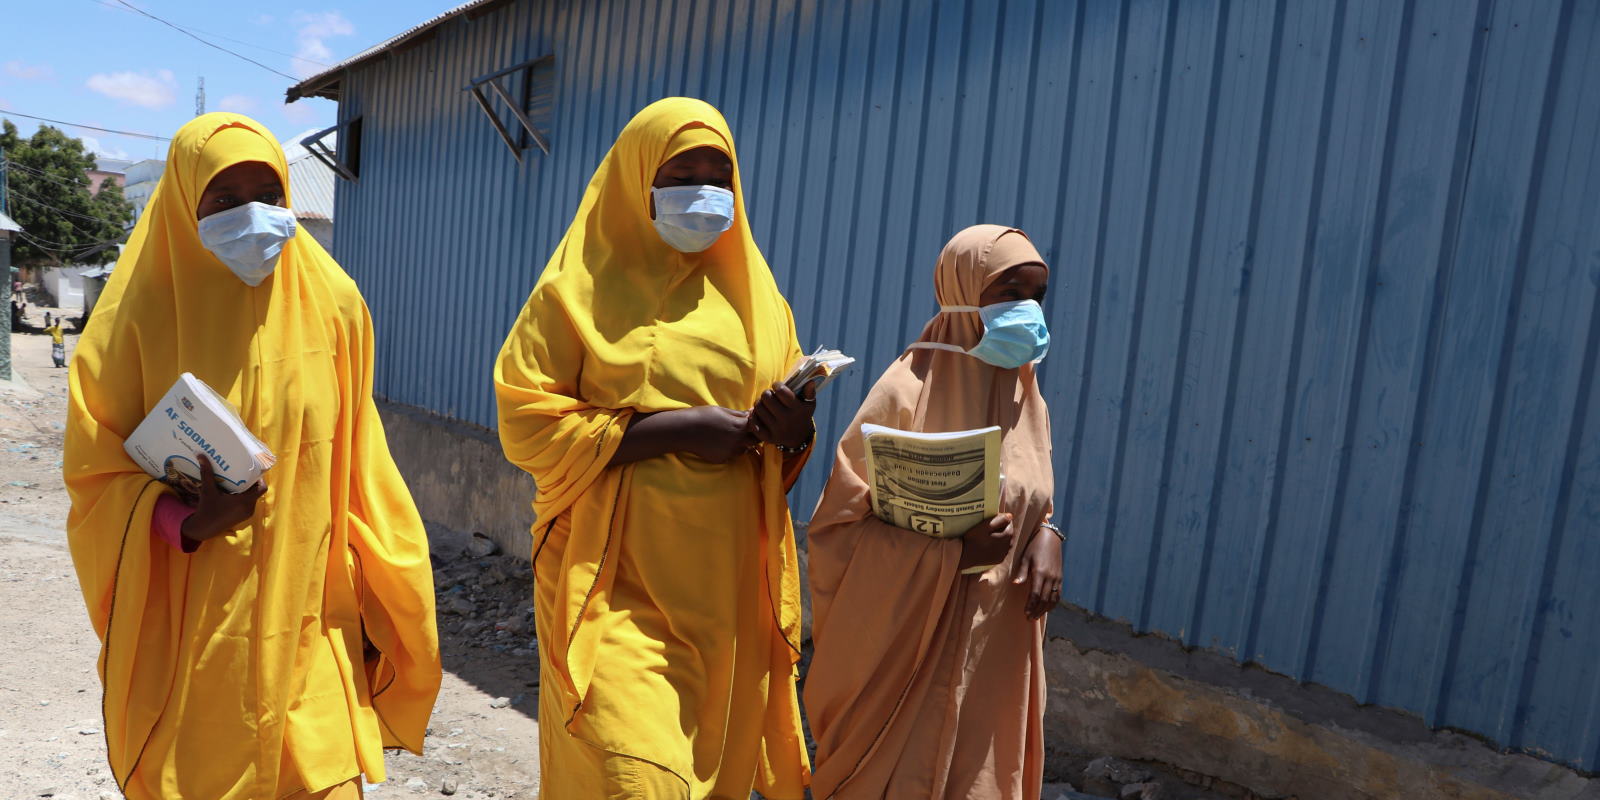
(39,202)
(206,43)
(214,34)
(42,175)
(62,248)
(86,127)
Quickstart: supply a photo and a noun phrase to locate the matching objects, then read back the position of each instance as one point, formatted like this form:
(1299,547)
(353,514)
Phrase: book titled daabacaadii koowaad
(190,420)
(937,484)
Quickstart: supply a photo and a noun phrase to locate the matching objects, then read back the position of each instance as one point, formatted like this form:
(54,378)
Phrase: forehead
(698,157)
(245,173)
(1023,273)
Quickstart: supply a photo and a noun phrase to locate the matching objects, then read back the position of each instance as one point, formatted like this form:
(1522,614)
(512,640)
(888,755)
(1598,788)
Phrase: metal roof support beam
(319,150)
(492,80)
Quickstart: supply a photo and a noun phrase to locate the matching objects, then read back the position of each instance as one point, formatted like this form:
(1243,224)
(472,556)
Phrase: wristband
(804,446)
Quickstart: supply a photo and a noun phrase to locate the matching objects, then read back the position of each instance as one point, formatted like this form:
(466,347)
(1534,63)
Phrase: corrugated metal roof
(113,165)
(326,82)
(8,224)
(311,182)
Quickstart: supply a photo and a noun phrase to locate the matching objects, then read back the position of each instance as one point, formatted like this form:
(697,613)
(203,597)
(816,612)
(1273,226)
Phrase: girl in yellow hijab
(272,643)
(634,388)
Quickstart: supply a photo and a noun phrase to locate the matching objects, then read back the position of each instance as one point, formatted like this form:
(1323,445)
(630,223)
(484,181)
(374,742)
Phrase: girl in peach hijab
(929,682)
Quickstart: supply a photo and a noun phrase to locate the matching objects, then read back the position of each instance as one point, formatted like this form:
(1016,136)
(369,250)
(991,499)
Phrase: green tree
(48,195)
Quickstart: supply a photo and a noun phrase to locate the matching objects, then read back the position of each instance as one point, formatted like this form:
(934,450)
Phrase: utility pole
(5,274)
(200,97)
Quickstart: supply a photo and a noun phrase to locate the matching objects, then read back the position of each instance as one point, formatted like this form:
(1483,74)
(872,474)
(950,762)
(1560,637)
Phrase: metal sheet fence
(1325,276)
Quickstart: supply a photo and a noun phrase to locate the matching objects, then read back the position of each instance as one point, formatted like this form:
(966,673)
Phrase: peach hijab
(930,683)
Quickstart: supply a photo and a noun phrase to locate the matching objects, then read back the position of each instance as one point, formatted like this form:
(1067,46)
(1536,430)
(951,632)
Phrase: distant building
(140,182)
(107,169)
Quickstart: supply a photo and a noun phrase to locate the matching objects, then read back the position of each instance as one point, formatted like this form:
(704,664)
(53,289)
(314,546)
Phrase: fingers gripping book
(193,420)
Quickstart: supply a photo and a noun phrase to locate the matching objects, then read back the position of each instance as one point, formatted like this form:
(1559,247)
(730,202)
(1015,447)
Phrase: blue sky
(98,63)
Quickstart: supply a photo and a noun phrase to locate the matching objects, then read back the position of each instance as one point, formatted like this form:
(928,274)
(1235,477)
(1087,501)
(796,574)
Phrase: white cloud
(263,19)
(313,29)
(95,146)
(137,88)
(301,113)
(238,104)
(30,72)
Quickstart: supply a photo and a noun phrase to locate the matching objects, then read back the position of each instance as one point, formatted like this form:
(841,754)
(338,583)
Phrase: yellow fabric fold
(238,671)
(667,591)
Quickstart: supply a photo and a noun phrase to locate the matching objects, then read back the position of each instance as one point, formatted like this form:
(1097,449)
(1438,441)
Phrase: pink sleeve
(167,523)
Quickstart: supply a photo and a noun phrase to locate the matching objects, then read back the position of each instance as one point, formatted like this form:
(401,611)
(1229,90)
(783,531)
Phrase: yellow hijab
(620,323)
(231,655)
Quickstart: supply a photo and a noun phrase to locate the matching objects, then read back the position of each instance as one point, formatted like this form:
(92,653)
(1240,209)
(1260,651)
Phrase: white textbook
(937,484)
(190,420)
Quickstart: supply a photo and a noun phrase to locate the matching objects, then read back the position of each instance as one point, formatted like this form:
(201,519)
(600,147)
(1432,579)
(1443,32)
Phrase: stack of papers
(820,367)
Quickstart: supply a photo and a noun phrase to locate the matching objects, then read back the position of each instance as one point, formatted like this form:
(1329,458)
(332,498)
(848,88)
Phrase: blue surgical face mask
(1014,334)
(690,218)
(248,238)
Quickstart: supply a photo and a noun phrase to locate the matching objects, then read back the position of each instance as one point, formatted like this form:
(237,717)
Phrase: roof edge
(327,82)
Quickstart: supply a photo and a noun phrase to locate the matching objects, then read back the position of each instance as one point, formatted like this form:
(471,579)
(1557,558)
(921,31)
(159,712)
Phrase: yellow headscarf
(247,656)
(620,323)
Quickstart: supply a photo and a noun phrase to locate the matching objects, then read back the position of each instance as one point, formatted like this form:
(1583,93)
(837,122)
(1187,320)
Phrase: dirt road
(483,737)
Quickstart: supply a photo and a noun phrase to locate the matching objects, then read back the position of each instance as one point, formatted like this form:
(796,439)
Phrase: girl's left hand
(1040,570)
(782,417)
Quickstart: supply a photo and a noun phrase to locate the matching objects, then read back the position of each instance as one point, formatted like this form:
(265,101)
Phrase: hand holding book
(218,512)
(783,418)
(987,543)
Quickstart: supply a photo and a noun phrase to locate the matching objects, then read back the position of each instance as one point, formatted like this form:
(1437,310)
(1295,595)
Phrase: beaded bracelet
(794,451)
(1055,530)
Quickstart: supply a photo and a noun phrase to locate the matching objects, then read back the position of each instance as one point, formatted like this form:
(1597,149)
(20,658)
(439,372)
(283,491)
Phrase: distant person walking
(58,342)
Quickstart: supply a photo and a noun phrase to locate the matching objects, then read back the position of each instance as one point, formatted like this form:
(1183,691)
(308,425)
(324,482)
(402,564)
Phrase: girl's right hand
(217,512)
(717,434)
(987,542)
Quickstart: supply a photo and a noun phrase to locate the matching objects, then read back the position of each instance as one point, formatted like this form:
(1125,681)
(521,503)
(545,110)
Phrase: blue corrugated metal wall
(1324,304)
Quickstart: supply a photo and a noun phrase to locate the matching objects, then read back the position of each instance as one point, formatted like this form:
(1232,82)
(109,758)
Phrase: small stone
(89,731)
(108,796)
(482,546)
(1057,791)
(448,787)
(500,702)
(1143,791)
(461,605)
(1115,770)
(417,785)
